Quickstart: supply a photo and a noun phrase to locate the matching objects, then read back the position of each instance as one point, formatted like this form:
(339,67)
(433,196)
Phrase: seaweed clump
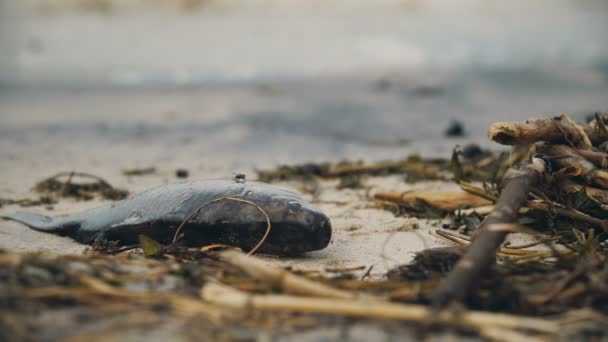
(65,184)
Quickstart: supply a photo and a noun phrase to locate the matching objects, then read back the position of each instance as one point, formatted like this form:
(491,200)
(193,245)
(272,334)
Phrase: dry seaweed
(139,171)
(479,166)
(555,193)
(71,185)
(565,206)
(154,292)
(28,202)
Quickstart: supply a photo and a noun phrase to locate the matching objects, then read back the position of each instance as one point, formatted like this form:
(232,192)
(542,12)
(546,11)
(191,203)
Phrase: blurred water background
(260,82)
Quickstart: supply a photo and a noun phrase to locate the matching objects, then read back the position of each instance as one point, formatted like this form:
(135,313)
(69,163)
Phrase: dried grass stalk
(600,159)
(582,139)
(446,201)
(235,299)
(283,279)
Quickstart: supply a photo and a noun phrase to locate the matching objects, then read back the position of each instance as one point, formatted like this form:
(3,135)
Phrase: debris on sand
(28,202)
(558,193)
(139,171)
(182,173)
(552,187)
(222,289)
(478,166)
(455,130)
(71,185)
(68,185)
(416,201)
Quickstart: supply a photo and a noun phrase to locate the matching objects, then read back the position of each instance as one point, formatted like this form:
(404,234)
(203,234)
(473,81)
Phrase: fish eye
(294,206)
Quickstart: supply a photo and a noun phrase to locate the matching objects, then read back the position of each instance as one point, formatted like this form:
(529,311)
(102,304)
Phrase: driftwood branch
(481,254)
(559,130)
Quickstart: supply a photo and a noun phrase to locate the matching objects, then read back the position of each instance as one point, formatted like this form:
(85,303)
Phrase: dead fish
(297,227)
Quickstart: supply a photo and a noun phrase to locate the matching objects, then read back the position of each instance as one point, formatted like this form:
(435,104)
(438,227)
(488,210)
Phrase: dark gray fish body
(297,227)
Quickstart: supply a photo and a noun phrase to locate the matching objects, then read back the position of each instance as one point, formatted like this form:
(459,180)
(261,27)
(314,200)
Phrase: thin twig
(584,141)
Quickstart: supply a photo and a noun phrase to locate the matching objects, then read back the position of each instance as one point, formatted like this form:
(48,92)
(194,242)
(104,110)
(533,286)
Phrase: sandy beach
(217,88)
(214,132)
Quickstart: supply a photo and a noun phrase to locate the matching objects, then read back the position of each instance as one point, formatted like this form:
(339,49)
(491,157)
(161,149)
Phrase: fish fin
(135,218)
(35,221)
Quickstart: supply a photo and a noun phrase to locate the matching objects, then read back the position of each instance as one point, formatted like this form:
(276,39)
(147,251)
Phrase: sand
(214,132)
(362,234)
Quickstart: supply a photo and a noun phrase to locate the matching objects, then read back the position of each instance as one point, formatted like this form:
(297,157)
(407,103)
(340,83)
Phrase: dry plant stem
(447,201)
(567,173)
(600,196)
(477,191)
(600,159)
(481,254)
(591,174)
(92,287)
(71,174)
(547,130)
(542,241)
(485,210)
(229,297)
(599,123)
(583,140)
(281,278)
(464,241)
(562,284)
(195,211)
(555,208)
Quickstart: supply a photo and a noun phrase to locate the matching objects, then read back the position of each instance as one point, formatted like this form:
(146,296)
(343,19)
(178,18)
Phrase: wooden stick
(226,296)
(481,254)
(283,279)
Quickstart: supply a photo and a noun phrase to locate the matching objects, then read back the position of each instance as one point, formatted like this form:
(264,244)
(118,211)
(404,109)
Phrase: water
(261,82)
(133,42)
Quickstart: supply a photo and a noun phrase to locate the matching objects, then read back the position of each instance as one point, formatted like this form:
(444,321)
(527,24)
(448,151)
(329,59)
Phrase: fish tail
(35,221)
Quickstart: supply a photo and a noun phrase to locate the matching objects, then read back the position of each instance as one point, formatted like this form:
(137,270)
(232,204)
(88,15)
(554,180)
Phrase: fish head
(297,227)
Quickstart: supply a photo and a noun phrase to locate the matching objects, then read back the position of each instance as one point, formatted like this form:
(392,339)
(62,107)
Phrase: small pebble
(455,129)
(181,173)
(472,151)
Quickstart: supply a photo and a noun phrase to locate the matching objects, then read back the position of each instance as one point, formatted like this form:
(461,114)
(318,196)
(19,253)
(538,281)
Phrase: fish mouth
(323,228)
